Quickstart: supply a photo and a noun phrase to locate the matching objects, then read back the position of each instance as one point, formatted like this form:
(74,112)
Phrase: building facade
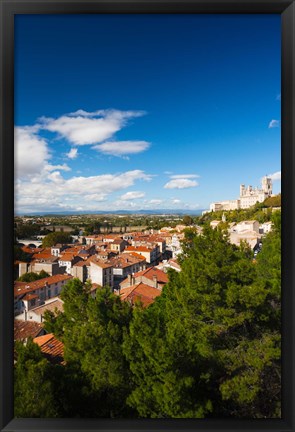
(249,196)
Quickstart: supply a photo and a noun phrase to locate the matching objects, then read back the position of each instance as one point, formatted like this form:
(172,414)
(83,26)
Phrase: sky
(129,112)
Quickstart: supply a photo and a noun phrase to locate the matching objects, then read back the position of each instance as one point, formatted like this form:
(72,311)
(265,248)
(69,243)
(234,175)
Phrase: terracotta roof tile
(25,329)
(25,287)
(52,348)
(145,293)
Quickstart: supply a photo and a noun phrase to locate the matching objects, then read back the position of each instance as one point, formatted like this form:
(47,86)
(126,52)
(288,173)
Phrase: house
(151,276)
(151,254)
(265,227)
(243,226)
(140,292)
(214,224)
(101,272)
(118,245)
(51,348)
(57,249)
(80,270)
(250,237)
(93,239)
(36,314)
(25,329)
(67,260)
(171,263)
(126,264)
(28,295)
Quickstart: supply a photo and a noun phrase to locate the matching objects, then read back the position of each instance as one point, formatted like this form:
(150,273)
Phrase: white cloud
(95,197)
(31,151)
(132,195)
(180,183)
(278,98)
(274,124)
(275,176)
(73,153)
(54,192)
(155,201)
(176,201)
(121,148)
(182,176)
(84,128)
(63,167)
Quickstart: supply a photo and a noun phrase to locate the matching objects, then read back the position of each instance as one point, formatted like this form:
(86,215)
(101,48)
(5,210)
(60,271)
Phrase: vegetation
(31,276)
(20,255)
(209,346)
(56,237)
(33,383)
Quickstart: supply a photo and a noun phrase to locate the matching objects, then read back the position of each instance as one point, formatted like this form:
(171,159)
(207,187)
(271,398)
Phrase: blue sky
(144,111)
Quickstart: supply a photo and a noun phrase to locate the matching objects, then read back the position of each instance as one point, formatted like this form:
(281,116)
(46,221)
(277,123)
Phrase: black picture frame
(9,8)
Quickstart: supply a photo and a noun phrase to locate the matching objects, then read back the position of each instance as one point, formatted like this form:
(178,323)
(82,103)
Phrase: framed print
(147,215)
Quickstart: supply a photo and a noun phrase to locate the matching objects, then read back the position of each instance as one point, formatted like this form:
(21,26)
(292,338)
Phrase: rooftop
(52,348)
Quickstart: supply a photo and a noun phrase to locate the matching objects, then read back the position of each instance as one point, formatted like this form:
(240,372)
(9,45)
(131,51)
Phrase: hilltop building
(248,197)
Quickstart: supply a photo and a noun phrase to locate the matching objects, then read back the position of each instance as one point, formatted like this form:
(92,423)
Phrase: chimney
(130,279)
(155,281)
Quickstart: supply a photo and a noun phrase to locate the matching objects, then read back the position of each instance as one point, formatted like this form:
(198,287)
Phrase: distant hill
(119,212)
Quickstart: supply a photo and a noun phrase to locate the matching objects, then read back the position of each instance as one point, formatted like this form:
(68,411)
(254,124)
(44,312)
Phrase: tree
(187,220)
(56,237)
(209,344)
(31,276)
(92,332)
(33,388)
(20,255)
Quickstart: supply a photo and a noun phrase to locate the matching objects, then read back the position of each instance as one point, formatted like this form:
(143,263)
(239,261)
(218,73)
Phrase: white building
(248,197)
(101,273)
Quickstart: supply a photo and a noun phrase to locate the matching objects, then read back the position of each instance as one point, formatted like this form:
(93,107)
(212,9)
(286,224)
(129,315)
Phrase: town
(133,264)
(65,263)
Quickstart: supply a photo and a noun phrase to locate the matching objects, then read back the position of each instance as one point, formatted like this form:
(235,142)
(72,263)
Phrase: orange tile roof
(100,263)
(25,287)
(126,260)
(137,255)
(153,271)
(138,249)
(67,257)
(24,329)
(145,293)
(149,273)
(31,250)
(52,348)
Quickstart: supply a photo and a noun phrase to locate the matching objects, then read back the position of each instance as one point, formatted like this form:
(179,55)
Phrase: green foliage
(24,231)
(31,276)
(92,332)
(209,344)
(273,201)
(187,220)
(20,255)
(56,237)
(33,387)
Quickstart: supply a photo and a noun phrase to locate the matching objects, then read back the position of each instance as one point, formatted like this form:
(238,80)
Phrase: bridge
(28,242)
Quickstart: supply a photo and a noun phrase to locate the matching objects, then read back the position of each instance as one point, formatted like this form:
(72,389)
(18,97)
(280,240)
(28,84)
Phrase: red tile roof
(100,263)
(26,287)
(149,273)
(52,348)
(138,249)
(25,329)
(142,292)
